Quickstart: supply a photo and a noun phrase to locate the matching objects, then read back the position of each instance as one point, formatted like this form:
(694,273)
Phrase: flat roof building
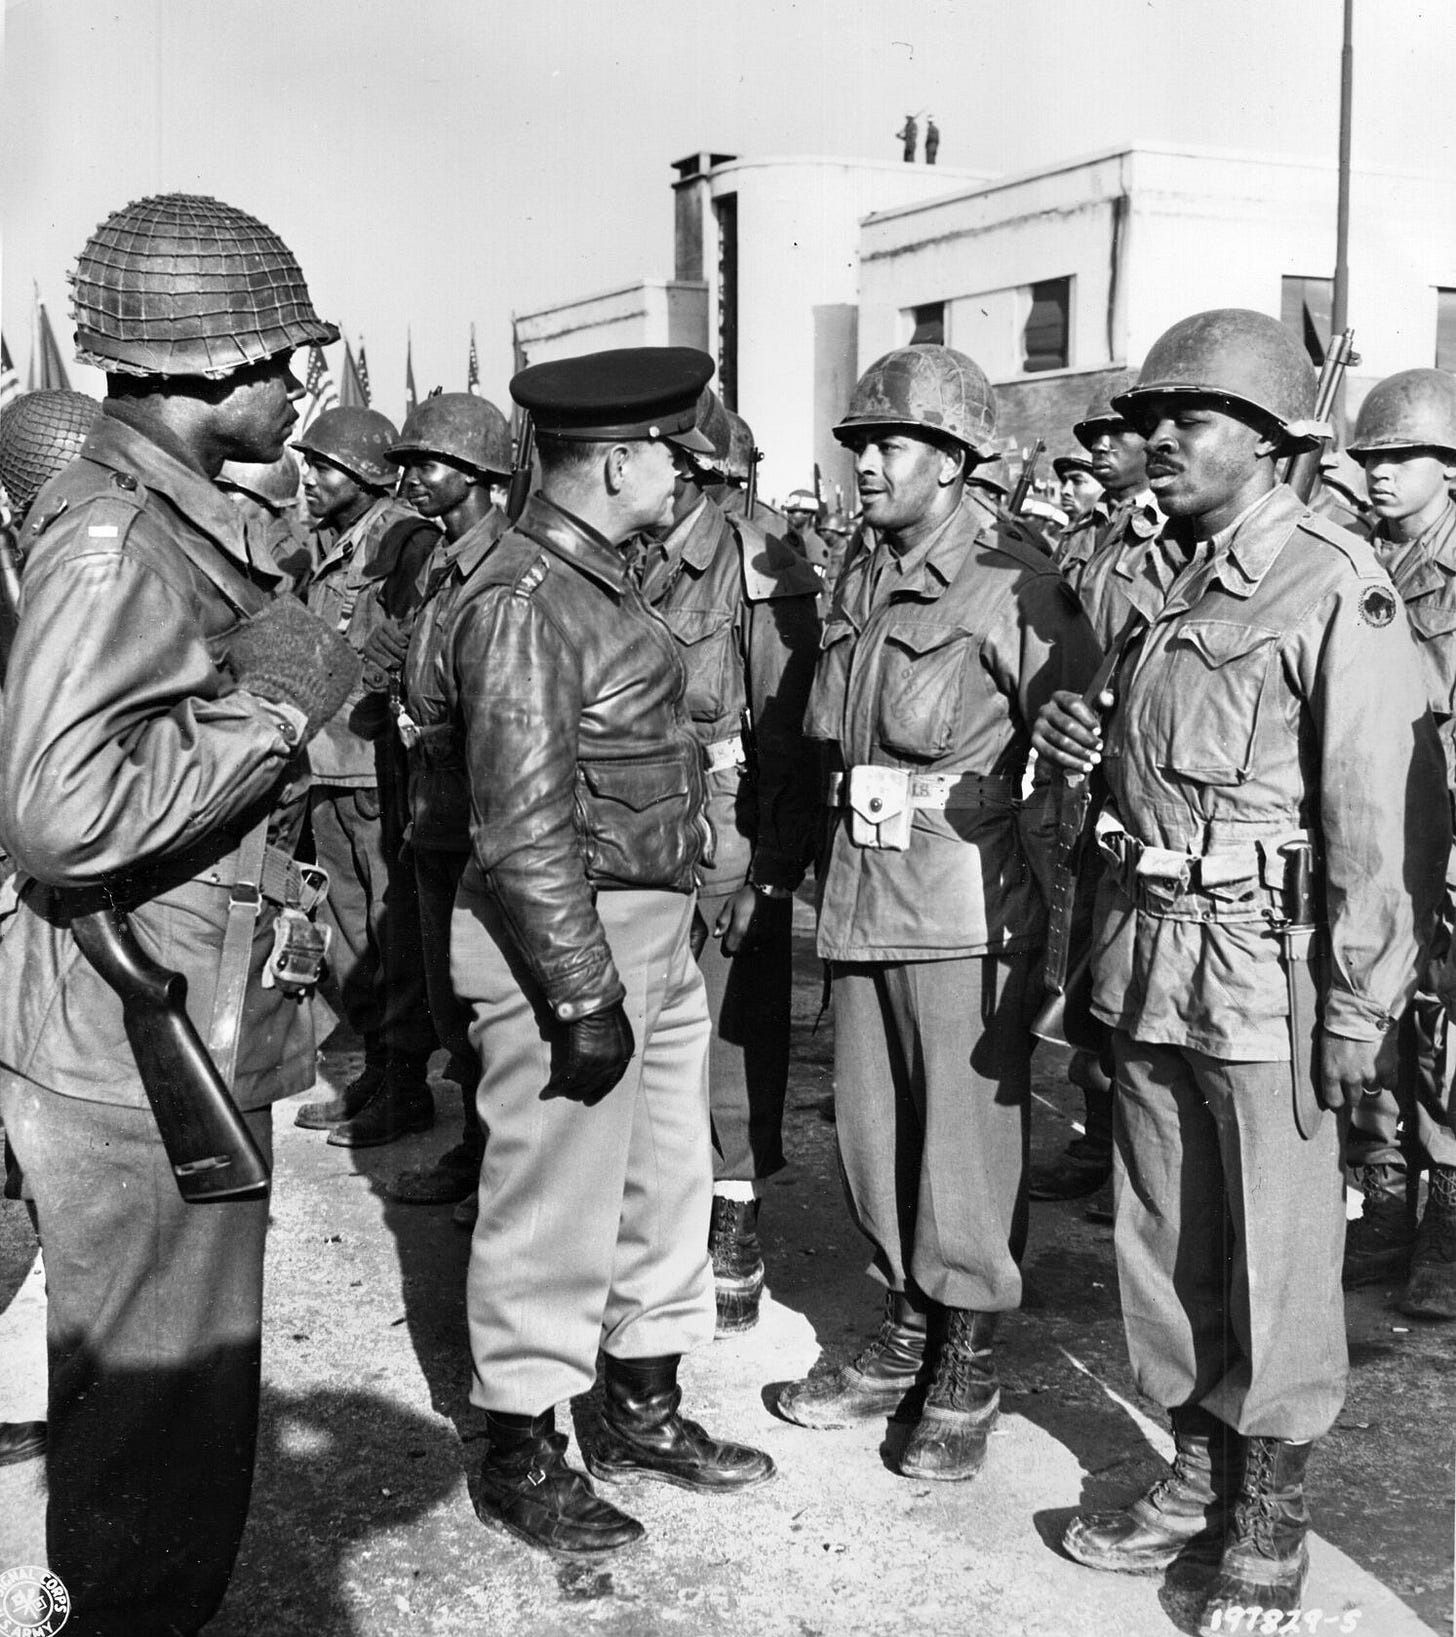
(797,273)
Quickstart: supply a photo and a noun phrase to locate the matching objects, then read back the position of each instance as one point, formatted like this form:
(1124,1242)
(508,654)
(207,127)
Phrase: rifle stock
(210,1149)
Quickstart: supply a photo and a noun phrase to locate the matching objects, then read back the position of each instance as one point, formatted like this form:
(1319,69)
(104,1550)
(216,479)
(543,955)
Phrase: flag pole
(1340,296)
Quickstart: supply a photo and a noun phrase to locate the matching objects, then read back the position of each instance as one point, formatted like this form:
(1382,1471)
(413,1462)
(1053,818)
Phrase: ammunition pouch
(882,801)
(719,755)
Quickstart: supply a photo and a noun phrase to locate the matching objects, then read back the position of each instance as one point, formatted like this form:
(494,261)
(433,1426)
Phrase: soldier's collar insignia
(1377,606)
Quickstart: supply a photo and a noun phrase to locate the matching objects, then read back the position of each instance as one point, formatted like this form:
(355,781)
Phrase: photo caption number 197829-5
(1254,1618)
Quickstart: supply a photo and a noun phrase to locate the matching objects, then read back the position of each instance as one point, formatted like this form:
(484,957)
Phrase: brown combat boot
(737,1258)
(1184,1513)
(1431,1292)
(888,1377)
(642,1435)
(1265,1561)
(949,1441)
(1378,1242)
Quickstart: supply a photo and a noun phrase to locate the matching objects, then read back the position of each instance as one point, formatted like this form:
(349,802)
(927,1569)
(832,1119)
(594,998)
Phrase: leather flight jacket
(585,773)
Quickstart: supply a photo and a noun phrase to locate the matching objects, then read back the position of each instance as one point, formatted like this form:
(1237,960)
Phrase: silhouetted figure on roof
(909,135)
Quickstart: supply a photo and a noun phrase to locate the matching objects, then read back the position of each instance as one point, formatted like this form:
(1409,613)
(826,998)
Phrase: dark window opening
(1446,329)
(1044,341)
(929,324)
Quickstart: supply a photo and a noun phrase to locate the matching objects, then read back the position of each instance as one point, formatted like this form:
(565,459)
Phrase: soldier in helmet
(570,942)
(802,511)
(268,492)
(943,643)
(40,434)
(1249,758)
(1405,438)
(1077,488)
(157,704)
(454,452)
(988,488)
(373,555)
(742,607)
(1116,561)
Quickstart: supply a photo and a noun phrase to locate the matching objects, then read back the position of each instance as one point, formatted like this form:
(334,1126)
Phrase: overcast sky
(448,161)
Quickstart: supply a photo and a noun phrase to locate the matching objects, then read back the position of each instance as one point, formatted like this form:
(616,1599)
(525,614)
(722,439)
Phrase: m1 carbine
(1060,978)
(520,489)
(208,1144)
(1302,471)
(1017,503)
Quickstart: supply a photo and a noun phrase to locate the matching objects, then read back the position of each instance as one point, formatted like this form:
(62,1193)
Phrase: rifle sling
(244,907)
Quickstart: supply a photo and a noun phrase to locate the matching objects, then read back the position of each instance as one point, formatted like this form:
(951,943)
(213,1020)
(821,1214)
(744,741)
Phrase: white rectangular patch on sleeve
(103,531)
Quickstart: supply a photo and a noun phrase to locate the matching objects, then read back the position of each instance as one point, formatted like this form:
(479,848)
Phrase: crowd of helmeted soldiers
(563,732)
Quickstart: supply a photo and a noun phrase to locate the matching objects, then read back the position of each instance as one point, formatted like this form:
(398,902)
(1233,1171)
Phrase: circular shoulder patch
(1377,605)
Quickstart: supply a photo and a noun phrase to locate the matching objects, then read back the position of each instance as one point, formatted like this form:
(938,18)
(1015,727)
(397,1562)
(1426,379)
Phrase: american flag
(364,373)
(472,373)
(9,380)
(47,367)
(319,391)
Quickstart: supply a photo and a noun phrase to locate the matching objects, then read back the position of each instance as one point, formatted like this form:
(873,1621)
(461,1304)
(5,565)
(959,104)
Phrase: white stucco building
(796,273)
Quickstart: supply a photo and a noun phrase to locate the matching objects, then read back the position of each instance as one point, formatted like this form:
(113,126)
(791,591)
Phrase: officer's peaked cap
(628,393)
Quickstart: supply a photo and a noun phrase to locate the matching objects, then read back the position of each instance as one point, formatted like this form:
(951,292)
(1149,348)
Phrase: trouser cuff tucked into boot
(527,1487)
(961,1407)
(643,1435)
(888,1378)
(1184,1514)
(1265,1561)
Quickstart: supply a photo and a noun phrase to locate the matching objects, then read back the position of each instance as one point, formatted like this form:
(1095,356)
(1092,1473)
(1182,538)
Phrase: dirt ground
(362,1525)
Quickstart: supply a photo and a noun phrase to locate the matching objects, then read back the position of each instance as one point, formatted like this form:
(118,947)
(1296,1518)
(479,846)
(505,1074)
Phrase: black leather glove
(386,645)
(590,1055)
(286,654)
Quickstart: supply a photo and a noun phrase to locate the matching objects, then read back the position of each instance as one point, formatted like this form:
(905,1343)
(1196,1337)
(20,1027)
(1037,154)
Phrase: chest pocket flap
(1219,675)
(694,625)
(638,785)
(923,679)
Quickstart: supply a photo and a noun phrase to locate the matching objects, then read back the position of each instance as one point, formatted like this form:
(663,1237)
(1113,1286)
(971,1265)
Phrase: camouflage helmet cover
(1233,354)
(1099,413)
(459,427)
(928,388)
(355,440)
(40,433)
(179,284)
(1413,409)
